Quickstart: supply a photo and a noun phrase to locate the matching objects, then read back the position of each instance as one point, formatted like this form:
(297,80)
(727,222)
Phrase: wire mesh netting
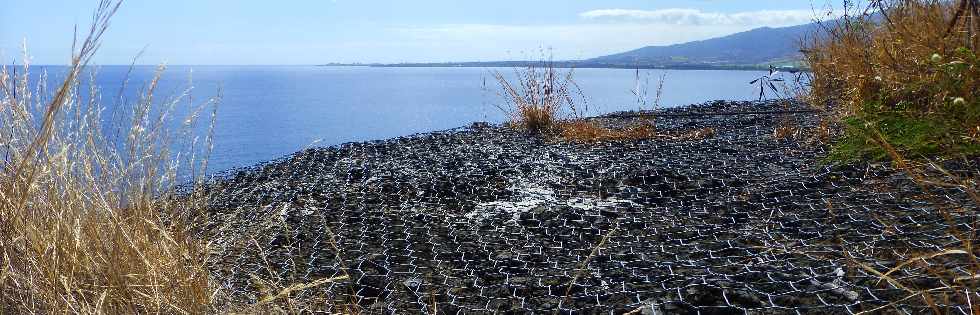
(486,220)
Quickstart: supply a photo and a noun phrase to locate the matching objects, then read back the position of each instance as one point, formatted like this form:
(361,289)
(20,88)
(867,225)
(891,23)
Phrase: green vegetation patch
(949,133)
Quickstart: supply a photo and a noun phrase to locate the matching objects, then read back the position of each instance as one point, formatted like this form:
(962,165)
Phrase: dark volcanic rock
(488,219)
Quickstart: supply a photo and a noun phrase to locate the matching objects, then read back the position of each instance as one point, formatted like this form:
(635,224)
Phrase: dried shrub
(89,222)
(586,131)
(784,132)
(898,72)
(539,96)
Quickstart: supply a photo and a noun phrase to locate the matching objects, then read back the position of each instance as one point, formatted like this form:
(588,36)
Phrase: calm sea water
(271,111)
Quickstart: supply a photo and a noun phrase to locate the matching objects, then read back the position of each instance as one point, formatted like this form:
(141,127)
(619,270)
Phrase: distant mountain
(751,50)
(757,47)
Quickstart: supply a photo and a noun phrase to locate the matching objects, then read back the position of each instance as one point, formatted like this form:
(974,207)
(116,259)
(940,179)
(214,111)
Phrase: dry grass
(587,131)
(580,270)
(276,292)
(785,131)
(947,277)
(892,62)
(904,76)
(540,97)
(89,221)
(546,100)
(641,90)
(907,87)
(583,130)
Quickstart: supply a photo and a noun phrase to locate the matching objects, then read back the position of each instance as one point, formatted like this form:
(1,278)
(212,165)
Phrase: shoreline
(567,65)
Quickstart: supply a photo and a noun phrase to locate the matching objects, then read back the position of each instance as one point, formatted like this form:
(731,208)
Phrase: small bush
(545,100)
(539,96)
(901,75)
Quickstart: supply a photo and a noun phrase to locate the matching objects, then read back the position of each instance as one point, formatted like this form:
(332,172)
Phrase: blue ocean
(267,112)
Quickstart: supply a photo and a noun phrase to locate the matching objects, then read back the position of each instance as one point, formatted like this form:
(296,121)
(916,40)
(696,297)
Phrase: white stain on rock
(529,196)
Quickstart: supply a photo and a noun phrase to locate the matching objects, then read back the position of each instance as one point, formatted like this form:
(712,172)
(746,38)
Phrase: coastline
(569,65)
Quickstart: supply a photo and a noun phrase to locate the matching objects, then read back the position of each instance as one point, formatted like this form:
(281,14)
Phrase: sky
(305,32)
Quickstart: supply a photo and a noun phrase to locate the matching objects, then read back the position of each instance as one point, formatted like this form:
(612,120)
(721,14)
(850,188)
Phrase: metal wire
(489,220)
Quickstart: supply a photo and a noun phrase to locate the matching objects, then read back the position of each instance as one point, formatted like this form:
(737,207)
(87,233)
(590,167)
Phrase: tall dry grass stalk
(89,220)
(539,96)
(546,100)
(641,90)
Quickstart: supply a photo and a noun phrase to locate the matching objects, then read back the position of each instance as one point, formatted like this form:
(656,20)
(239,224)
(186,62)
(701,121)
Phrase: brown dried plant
(89,222)
(539,96)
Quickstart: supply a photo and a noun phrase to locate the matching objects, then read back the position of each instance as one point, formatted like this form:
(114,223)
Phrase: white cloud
(698,17)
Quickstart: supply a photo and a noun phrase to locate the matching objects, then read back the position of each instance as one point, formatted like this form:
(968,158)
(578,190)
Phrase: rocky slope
(487,219)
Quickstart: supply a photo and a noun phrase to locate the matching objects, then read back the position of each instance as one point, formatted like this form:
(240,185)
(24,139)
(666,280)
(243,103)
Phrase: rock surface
(487,219)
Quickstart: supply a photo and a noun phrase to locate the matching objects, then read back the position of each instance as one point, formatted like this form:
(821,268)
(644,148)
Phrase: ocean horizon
(267,112)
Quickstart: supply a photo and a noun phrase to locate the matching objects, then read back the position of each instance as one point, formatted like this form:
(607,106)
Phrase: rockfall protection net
(488,220)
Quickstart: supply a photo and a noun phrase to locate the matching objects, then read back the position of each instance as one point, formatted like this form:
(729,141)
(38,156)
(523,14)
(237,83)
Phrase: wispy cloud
(698,17)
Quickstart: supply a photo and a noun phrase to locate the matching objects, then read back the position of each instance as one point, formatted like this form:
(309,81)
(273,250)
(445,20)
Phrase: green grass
(915,136)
